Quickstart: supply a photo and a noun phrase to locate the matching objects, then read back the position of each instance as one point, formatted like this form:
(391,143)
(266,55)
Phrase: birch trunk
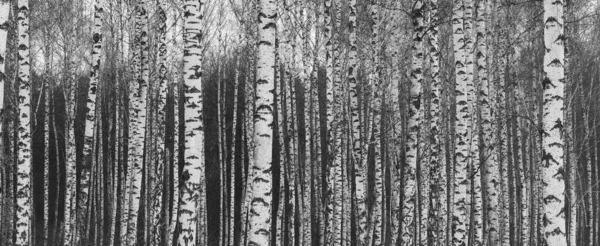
(260,210)
(357,155)
(136,142)
(328,33)
(4,18)
(409,210)
(177,30)
(436,162)
(233,164)
(90,117)
(157,196)
(47,74)
(487,105)
(24,206)
(552,141)
(70,192)
(193,169)
(462,142)
(176,162)
(377,219)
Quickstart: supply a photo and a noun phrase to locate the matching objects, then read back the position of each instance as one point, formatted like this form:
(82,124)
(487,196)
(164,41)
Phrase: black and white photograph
(299,122)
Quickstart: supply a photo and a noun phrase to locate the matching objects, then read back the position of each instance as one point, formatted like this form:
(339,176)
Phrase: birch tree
(437,163)
(486,93)
(260,207)
(461,152)
(4,14)
(193,168)
(90,118)
(157,220)
(552,140)
(24,189)
(138,118)
(409,209)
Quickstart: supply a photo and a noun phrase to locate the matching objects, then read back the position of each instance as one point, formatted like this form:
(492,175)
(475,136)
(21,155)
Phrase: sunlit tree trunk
(4,18)
(552,141)
(47,62)
(161,160)
(24,201)
(329,136)
(306,172)
(176,162)
(260,210)
(462,142)
(487,105)
(436,161)
(409,209)
(70,192)
(137,119)
(233,163)
(376,128)
(90,119)
(394,123)
(357,155)
(193,169)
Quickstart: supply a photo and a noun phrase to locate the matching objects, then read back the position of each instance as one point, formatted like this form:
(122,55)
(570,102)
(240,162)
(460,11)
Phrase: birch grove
(229,122)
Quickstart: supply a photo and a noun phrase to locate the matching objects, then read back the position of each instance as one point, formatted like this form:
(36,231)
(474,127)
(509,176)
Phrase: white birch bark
(436,161)
(177,30)
(70,192)
(376,128)
(461,151)
(487,105)
(136,139)
(46,148)
(233,163)
(24,202)
(409,209)
(90,117)
(328,34)
(552,141)
(472,137)
(260,207)
(357,155)
(4,16)
(176,190)
(161,160)
(193,170)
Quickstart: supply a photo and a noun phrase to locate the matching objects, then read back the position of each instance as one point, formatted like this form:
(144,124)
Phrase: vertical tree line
(299,122)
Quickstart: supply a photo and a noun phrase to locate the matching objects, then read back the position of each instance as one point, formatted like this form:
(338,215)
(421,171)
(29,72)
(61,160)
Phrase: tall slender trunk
(234,164)
(329,136)
(90,118)
(409,209)
(24,201)
(378,236)
(488,125)
(136,142)
(462,140)
(176,162)
(70,192)
(177,30)
(475,191)
(193,170)
(436,162)
(47,62)
(260,216)
(552,141)
(395,148)
(4,18)
(357,155)
(161,160)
